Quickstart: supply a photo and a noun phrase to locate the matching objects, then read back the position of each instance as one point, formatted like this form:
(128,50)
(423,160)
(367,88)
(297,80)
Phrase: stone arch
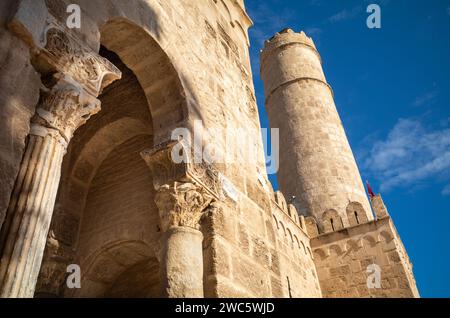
(291,239)
(303,247)
(369,241)
(101,144)
(293,213)
(154,70)
(353,245)
(310,253)
(311,226)
(331,221)
(281,201)
(96,174)
(242,31)
(276,222)
(283,228)
(227,11)
(104,267)
(320,253)
(335,249)
(356,214)
(297,241)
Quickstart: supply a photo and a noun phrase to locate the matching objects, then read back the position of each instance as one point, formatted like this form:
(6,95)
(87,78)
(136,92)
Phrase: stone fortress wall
(319,175)
(344,258)
(202,230)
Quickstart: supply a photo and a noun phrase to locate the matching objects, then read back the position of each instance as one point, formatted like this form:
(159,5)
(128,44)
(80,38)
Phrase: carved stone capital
(185,188)
(64,108)
(67,54)
(174,162)
(182,204)
(56,48)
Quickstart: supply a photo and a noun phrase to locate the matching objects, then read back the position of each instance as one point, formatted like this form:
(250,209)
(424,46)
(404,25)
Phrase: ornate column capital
(81,73)
(56,48)
(63,51)
(182,204)
(185,189)
(174,161)
(63,108)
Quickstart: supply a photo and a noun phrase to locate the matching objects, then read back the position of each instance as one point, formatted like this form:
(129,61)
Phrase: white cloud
(426,98)
(345,14)
(313,31)
(410,154)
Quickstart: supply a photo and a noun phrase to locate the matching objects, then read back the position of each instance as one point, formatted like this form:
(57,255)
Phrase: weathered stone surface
(149,228)
(365,248)
(19,94)
(317,167)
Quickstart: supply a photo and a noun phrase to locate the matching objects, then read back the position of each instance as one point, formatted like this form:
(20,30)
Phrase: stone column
(82,74)
(185,192)
(61,111)
(181,207)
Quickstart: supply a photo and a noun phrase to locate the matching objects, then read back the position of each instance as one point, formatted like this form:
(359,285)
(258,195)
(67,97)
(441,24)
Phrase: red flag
(369,189)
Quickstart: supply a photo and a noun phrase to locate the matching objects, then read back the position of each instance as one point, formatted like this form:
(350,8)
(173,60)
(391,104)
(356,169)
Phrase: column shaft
(23,238)
(182,263)
(183,199)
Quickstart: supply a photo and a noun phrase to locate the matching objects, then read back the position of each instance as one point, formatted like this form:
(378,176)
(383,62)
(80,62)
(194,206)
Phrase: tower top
(285,37)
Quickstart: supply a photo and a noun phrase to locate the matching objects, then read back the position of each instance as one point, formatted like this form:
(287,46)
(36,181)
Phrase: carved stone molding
(166,170)
(67,54)
(56,48)
(182,204)
(64,108)
(185,187)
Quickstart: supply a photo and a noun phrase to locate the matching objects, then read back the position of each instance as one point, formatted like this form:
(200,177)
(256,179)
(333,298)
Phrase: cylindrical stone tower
(318,172)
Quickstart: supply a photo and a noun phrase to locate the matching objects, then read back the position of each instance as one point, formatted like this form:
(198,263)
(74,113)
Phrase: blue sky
(392,90)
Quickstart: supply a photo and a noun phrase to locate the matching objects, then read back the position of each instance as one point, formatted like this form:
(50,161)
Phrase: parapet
(283,38)
(379,207)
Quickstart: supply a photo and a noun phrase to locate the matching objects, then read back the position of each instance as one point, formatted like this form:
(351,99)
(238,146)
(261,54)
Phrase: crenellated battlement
(372,247)
(207,227)
(283,38)
(290,211)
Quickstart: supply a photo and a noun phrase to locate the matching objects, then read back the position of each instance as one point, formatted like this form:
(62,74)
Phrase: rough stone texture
(342,259)
(19,94)
(136,226)
(182,269)
(317,167)
(269,256)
